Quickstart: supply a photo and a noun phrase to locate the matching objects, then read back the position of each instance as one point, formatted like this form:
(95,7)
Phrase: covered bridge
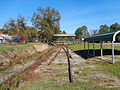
(109,36)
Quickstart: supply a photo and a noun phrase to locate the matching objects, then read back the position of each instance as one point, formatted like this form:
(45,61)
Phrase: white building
(4,38)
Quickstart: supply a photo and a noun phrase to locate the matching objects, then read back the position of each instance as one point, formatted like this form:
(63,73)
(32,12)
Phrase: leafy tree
(82,32)
(20,23)
(46,21)
(115,27)
(103,28)
(10,26)
(19,30)
(4,31)
(31,32)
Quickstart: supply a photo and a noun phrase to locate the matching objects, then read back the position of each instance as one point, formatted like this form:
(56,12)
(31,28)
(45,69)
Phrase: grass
(38,57)
(6,68)
(52,83)
(114,69)
(39,85)
(6,48)
(97,46)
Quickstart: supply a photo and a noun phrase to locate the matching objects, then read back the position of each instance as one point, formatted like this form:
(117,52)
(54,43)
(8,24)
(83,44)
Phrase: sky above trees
(74,13)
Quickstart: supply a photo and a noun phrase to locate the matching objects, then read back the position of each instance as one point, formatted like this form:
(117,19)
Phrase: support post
(93,48)
(101,42)
(113,52)
(84,47)
(88,48)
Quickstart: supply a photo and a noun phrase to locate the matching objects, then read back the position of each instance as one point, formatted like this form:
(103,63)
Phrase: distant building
(64,37)
(5,38)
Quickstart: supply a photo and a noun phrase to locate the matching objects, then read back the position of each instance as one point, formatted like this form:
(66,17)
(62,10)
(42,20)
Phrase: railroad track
(6,83)
(66,50)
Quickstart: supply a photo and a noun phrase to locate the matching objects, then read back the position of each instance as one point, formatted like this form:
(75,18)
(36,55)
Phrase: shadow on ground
(97,53)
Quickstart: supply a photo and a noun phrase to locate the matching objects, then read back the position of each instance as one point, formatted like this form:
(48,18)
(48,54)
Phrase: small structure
(64,37)
(4,38)
(109,36)
(1,39)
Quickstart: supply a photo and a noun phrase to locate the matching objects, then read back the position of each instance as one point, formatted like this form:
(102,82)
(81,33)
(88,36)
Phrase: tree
(10,26)
(20,24)
(93,32)
(4,31)
(46,21)
(18,29)
(115,27)
(82,32)
(31,32)
(64,32)
(103,28)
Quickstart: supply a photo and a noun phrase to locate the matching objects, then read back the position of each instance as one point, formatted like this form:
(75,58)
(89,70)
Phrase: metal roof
(64,35)
(109,36)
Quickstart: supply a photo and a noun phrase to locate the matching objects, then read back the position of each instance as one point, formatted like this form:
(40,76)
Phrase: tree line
(44,20)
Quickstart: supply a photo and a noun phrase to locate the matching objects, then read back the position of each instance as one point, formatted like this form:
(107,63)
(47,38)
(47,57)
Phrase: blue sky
(74,13)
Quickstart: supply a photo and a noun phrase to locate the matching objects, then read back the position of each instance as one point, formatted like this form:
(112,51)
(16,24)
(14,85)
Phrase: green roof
(109,36)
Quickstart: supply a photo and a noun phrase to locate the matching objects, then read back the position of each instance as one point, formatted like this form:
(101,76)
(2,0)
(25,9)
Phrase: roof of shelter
(64,35)
(109,36)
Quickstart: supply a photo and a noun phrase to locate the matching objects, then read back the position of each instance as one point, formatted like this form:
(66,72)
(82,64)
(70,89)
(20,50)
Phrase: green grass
(101,67)
(6,48)
(39,85)
(97,46)
(114,69)
(62,75)
(52,85)
(6,68)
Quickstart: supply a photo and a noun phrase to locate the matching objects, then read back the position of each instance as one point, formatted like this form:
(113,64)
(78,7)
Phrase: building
(4,38)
